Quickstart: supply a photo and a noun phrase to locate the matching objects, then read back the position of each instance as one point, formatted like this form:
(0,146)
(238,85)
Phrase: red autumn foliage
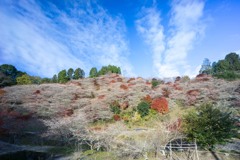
(75,96)
(177,87)
(112,81)
(119,79)
(2,92)
(116,117)
(124,105)
(193,92)
(201,75)
(192,96)
(101,96)
(148,83)
(67,112)
(37,92)
(124,87)
(166,92)
(115,76)
(129,85)
(169,83)
(131,79)
(148,98)
(160,105)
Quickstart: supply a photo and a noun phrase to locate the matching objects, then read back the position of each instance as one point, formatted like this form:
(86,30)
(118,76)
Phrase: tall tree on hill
(109,69)
(24,79)
(206,67)
(70,73)
(8,75)
(79,73)
(93,72)
(62,76)
(54,79)
(233,61)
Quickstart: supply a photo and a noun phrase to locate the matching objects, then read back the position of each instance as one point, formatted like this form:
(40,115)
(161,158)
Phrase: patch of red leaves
(131,84)
(131,79)
(37,92)
(119,79)
(75,96)
(201,75)
(116,117)
(124,87)
(166,92)
(160,105)
(101,96)
(112,81)
(192,96)
(124,105)
(148,98)
(193,92)
(169,83)
(177,87)
(2,92)
(115,76)
(67,112)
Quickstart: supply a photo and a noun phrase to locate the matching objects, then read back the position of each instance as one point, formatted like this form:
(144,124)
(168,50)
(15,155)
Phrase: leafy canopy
(209,126)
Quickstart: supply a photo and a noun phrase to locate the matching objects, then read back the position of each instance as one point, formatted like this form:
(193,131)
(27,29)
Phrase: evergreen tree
(70,73)
(93,72)
(209,126)
(62,76)
(54,79)
(79,73)
(206,67)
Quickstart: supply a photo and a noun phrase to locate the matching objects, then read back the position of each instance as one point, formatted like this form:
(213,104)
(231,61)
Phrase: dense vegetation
(209,125)
(228,68)
(9,75)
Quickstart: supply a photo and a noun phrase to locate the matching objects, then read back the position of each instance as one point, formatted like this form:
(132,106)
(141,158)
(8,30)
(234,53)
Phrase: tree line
(227,68)
(9,75)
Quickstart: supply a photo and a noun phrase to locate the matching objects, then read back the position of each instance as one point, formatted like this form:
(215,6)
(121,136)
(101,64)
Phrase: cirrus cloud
(45,39)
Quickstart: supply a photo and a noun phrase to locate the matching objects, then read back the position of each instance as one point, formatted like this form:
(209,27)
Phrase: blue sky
(147,38)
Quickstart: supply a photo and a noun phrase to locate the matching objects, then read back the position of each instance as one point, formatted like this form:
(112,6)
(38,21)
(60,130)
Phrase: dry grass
(91,98)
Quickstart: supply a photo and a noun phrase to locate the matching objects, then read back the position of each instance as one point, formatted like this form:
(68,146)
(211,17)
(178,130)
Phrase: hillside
(80,111)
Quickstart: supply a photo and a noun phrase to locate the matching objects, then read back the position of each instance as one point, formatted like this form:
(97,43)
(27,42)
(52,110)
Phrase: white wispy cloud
(150,28)
(185,27)
(44,41)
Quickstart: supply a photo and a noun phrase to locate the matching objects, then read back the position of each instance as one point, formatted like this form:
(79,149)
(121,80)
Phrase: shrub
(124,87)
(155,83)
(184,79)
(24,79)
(166,92)
(209,126)
(228,75)
(147,99)
(115,107)
(116,117)
(160,105)
(143,108)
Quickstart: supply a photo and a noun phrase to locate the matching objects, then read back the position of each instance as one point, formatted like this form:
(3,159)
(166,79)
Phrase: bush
(24,79)
(155,83)
(209,126)
(143,108)
(115,107)
(228,75)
